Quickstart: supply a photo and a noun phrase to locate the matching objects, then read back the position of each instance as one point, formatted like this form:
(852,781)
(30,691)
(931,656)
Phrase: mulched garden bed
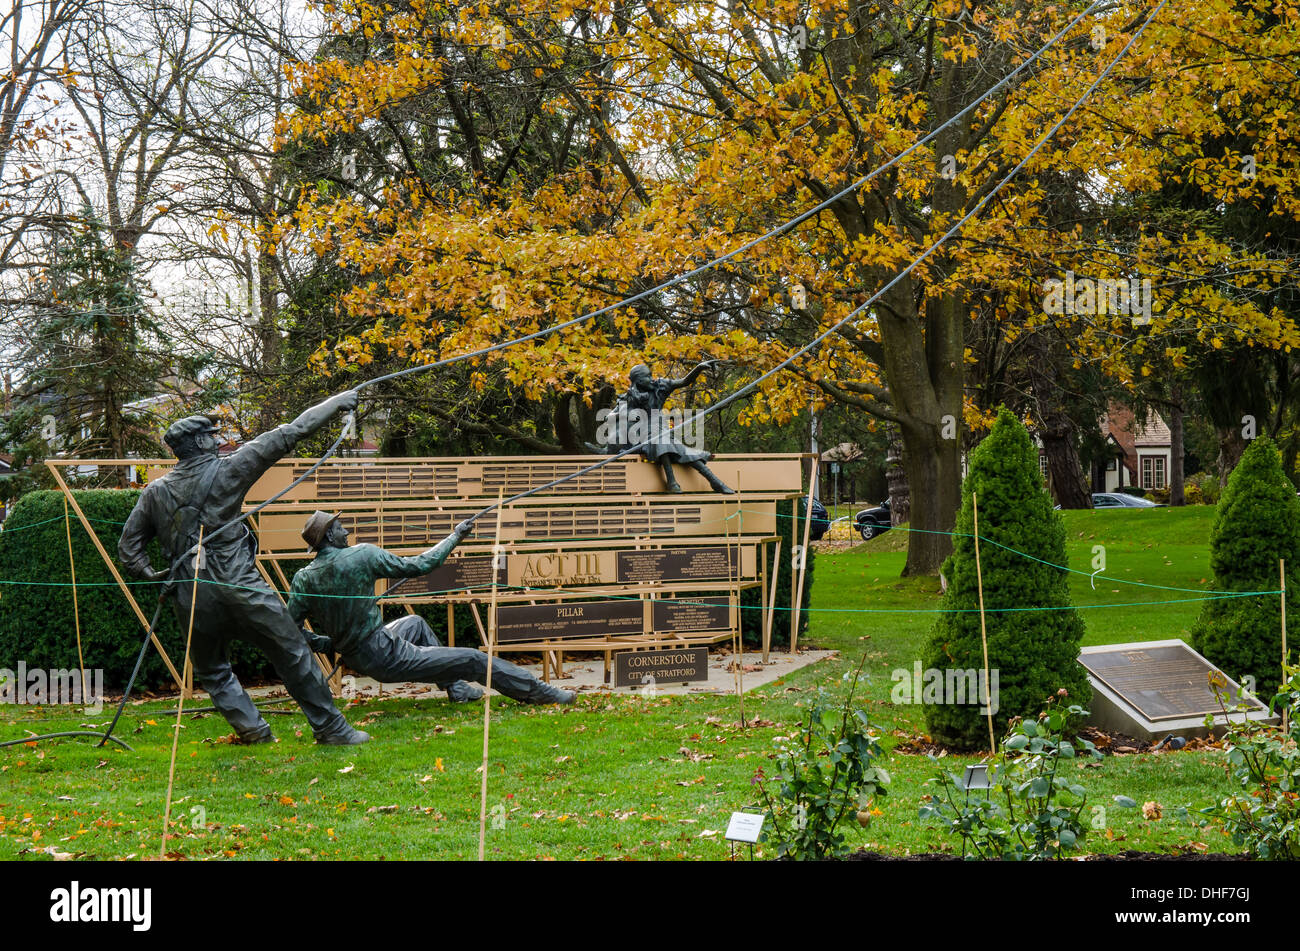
(1130,855)
(1109,744)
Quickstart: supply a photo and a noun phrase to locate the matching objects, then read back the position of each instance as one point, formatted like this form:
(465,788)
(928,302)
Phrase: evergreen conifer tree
(1257,522)
(1034,647)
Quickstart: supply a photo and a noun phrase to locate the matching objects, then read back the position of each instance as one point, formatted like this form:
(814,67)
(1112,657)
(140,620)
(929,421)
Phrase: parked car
(871,522)
(1120,500)
(820,520)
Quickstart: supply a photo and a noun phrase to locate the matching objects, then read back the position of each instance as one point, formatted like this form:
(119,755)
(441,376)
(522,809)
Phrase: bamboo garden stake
(180,704)
(984,637)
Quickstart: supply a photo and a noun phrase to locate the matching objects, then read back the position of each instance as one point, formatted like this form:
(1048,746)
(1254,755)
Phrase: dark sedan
(820,520)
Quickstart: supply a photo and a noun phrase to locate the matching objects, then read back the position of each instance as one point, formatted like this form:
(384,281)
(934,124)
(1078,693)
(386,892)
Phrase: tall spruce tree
(1256,524)
(1034,648)
(90,349)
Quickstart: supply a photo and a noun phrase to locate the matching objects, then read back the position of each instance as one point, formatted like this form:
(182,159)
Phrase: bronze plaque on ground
(529,622)
(674,666)
(1163,683)
(678,564)
(692,614)
(457,574)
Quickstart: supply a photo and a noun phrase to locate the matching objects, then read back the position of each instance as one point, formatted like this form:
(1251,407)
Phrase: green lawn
(608,778)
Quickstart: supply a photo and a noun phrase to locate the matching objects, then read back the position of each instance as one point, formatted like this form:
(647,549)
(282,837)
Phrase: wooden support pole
(117,575)
(766,609)
(734,605)
(1281,567)
(180,704)
(796,596)
(76,610)
(984,637)
(487,692)
(771,601)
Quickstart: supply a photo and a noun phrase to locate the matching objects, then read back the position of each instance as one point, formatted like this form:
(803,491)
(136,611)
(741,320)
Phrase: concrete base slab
(588,676)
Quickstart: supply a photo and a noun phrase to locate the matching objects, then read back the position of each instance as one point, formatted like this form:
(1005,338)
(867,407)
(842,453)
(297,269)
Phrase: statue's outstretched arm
(691,377)
(247,463)
(395,566)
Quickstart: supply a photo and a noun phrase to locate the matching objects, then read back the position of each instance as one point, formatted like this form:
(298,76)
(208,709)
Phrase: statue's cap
(639,369)
(319,523)
(182,429)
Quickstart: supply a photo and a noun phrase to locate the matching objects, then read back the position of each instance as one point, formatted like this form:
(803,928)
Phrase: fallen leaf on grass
(1152,810)
(347,769)
(392,808)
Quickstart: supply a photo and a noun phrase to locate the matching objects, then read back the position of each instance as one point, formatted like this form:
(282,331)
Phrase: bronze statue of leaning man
(638,420)
(336,592)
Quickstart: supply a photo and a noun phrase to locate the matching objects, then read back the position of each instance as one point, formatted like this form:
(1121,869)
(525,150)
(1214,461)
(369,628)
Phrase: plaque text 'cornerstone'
(679,665)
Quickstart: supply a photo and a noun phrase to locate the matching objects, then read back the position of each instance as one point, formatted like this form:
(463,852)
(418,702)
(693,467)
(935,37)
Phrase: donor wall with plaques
(607,562)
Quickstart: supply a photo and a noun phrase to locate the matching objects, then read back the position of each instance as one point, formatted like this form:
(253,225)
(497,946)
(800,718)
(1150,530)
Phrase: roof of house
(1120,424)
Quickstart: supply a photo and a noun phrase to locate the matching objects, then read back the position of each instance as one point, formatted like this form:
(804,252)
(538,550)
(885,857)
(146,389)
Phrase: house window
(1110,465)
(1042,464)
(1153,472)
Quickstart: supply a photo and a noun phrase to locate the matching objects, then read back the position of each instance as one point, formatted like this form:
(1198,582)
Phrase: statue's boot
(716,484)
(351,737)
(543,692)
(670,480)
(256,736)
(461,692)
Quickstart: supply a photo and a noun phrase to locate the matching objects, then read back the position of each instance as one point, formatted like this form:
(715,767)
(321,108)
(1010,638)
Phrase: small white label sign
(745,826)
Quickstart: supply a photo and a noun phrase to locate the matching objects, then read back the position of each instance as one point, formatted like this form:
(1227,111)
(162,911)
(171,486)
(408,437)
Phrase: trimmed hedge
(1256,523)
(1034,651)
(36,610)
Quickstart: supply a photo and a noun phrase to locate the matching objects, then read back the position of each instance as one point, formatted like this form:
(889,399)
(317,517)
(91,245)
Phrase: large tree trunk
(565,432)
(270,346)
(1057,430)
(900,499)
(933,482)
(1064,467)
(1176,496)
(1231,445)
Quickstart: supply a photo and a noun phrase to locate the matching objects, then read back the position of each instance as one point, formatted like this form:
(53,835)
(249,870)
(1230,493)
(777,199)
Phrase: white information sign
(745,826)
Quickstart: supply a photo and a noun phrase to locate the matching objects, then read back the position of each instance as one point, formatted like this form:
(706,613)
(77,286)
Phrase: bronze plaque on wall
(677,665)
(528,622)
(457,574)
(692,614)
(678,564)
